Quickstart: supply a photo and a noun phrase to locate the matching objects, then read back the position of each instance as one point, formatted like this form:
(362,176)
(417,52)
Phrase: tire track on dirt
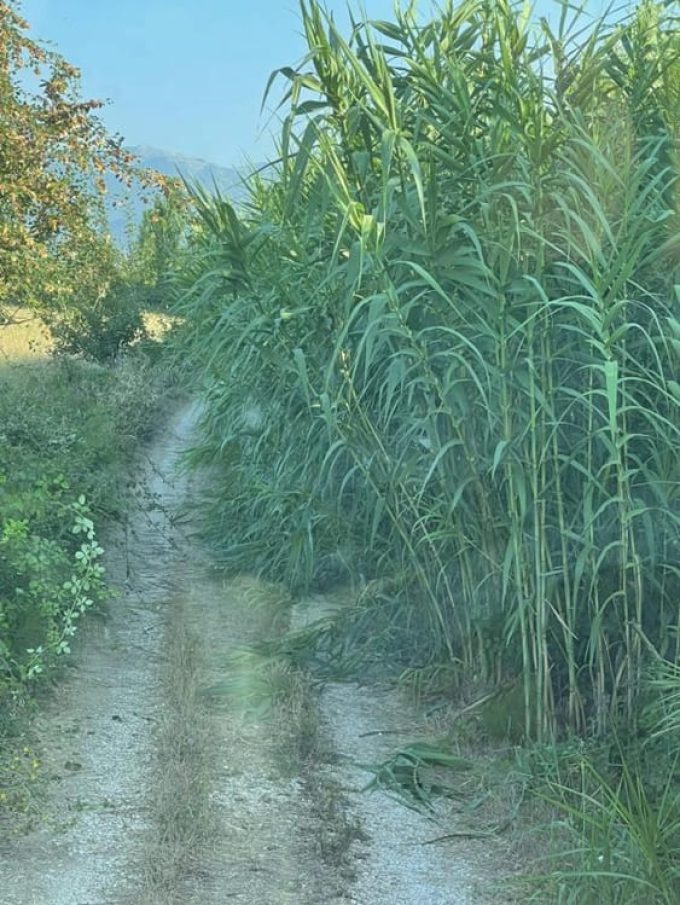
(95,727)
(157,797)
(153,798)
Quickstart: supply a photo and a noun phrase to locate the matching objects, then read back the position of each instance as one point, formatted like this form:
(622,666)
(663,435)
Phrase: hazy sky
(185,75)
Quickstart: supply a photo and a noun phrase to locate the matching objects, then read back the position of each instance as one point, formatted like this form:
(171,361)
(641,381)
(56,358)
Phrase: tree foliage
(157,249)
(53,154)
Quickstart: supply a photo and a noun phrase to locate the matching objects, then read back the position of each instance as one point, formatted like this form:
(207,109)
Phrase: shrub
(46,584)
(102,330)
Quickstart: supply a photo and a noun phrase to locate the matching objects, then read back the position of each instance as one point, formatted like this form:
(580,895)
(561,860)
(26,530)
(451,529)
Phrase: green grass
(76,421)
(616,833)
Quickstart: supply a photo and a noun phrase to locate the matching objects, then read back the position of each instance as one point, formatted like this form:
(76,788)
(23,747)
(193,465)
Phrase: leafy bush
(100,331)
(46,585)
(67,429)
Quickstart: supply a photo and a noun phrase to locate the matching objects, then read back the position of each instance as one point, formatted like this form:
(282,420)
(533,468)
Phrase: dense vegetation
(53,152)
(440,352)
(68,426)
(443,343)
(68,430)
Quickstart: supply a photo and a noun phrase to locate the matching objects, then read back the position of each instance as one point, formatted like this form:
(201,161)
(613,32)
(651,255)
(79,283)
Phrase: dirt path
(157,798)
(96,730)
(398,862)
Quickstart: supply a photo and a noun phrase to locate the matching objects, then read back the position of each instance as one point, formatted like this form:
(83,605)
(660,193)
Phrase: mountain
(126,206)
(193,169)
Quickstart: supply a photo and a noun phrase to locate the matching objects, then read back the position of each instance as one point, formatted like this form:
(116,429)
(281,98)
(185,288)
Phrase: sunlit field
(25,338)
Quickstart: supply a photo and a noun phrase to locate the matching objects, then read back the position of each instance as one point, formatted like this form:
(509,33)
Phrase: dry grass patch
(238,781)
(185,750)
(24,337)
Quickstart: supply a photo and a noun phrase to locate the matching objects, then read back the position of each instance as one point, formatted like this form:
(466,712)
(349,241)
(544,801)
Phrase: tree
(157,250)
(54,152)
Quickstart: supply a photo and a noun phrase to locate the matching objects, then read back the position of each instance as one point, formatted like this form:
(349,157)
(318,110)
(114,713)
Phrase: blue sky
(184,75)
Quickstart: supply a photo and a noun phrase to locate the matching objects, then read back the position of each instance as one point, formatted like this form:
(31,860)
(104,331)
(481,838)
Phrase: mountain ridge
(126,206)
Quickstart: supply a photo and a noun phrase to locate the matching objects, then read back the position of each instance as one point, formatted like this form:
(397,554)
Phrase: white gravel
(394,867)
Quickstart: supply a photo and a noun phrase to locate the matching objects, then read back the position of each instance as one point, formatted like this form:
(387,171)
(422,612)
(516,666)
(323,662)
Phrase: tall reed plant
(442,339)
